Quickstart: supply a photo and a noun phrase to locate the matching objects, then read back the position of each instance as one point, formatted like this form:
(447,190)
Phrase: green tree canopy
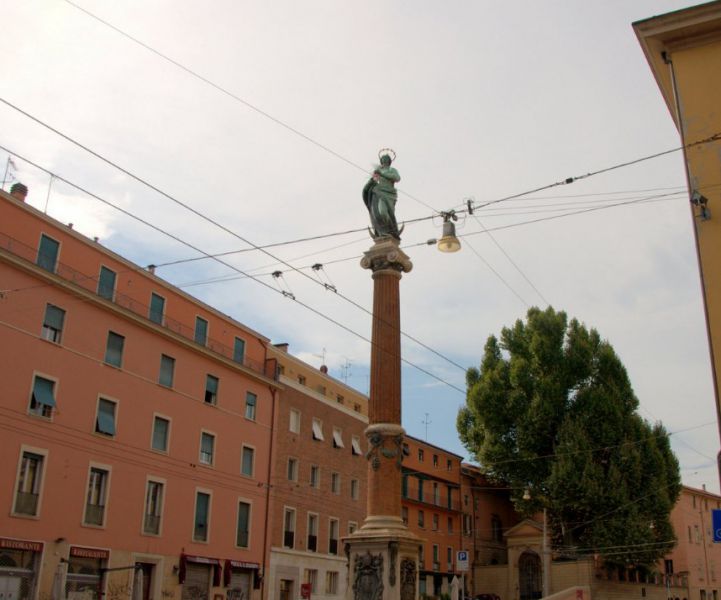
(552,411)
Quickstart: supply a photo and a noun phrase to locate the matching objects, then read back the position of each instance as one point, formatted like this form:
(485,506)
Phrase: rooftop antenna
(345,370)
(321,356)
(426,422)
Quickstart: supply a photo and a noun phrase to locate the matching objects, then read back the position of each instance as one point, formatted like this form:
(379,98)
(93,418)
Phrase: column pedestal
(383,553)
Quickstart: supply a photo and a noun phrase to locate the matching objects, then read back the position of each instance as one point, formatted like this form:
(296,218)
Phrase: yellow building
(683,49)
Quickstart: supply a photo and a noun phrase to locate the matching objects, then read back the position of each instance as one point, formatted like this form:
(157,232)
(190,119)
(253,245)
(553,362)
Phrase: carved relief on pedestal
(393,553)
(368,577)
(408,579)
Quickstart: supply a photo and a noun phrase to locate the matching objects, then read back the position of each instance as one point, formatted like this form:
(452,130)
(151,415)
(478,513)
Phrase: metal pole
(5,176)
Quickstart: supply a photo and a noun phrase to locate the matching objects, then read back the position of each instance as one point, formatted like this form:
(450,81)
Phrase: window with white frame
(318,429)
(201,523)
(48,251)
(352,526)
(354,486)
(167,370)
(338,438)
(242,538)
(201,331)
(42,398)
(105,419)
(436,494)
(30,476)
(251,401)
(153,507)
(314,476)
(161,434)
(292,469)
(157,308)
(53,323)
(106,283)
(289,528)
(211,389)
(239,350)
(331,583)
(333,534)
(96,496)
(247,461)
(312,545)
(207,448)
(355,446)
(114,349)
(435,522)
(335,483)
(294,422)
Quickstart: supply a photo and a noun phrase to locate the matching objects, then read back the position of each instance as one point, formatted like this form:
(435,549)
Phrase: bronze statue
(380,195)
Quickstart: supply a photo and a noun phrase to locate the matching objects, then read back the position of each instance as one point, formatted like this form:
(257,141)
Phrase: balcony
(90,284)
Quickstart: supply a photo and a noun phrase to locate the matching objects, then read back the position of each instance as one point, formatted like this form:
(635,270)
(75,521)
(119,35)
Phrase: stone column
(383,554)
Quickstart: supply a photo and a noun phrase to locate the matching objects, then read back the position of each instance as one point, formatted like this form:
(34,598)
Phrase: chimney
(283,347)
(324,369)
(703,487)
(19,191)
(151,268)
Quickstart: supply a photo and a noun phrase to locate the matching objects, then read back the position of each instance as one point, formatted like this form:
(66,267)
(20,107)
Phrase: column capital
(386,255)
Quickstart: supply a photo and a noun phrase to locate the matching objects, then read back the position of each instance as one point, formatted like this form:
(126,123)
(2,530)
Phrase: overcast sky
(480,100)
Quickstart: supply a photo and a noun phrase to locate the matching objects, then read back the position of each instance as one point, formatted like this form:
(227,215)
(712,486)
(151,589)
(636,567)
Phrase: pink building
(135,428)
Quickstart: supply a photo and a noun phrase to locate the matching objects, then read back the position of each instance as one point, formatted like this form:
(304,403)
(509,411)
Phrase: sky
(239,124)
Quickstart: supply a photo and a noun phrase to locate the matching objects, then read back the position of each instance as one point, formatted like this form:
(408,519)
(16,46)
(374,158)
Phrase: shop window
(114,349)
(42,399)
(53,323)
(96,496)
(105,420)
(106,283)
(167,370)
(48,253)
(153,507)
(27,496)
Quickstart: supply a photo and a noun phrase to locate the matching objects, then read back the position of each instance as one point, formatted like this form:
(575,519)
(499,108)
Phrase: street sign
(462,560)
(716,520)
(305,589)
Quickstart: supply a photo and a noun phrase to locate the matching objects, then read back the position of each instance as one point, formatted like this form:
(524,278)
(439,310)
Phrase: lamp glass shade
(449,242)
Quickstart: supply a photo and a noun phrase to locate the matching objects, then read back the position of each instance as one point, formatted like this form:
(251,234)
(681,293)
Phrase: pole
(544,585)
(5,176)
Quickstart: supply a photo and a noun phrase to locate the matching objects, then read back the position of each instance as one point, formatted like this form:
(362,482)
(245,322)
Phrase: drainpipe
(266,558)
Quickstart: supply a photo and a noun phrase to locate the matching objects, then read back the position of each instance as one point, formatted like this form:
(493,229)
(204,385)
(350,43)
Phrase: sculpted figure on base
(380,195)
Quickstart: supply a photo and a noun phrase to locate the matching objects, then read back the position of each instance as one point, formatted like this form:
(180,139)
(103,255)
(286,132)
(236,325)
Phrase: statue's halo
(389,151)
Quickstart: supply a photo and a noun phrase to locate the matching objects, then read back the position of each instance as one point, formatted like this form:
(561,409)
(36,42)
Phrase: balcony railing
(94,514)
(26,503)
(152,524)
(90,283)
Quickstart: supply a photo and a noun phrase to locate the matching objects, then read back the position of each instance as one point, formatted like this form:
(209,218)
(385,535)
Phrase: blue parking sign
(716,520)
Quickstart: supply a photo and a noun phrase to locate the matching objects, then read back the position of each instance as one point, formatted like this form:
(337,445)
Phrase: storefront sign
(21,545)
(237,564)
(88,552)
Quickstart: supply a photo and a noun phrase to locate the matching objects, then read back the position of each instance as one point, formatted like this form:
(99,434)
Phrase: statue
(380,195)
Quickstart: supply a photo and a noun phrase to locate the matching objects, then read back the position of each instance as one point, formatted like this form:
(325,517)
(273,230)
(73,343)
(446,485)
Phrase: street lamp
(449,242)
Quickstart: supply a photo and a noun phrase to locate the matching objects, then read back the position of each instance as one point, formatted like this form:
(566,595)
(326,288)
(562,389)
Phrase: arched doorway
(529,576)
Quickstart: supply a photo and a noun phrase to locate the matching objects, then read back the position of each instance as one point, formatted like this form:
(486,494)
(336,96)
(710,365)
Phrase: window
(202,514)
(404,485)
(301,379)
(352,526)
(153,507)
(250,403)
(337,438)
(436,494)
(357,407)
(105,420)
(467,528)
(449,465)
(355,446)
(114,349)
(420,454)
(335,483)
(48,253)
(449,557)
(97,496)
(167,369)
(436,557)
(333,533)
(311,576)
(321,389)
(420,490)
(697,534)
(404,515)
(27,495)
(318,429)
(247,461)
(201,331)
(157,308)
(339,399)
(354,489)
(161,429)
(211,389)
(242,537)
(292,469)
(450,496)
(435,522)
(53,323)
(42,400)
(106,283)
(294,423)
(496,529)
(312,532)
(289,528)
(421,559)
(207,446)
(450,524)
(421,519)
(239,350)
(331,583)
(435,460)
(314,476)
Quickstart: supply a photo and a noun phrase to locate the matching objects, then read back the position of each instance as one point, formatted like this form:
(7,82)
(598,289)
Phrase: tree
(552,412)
